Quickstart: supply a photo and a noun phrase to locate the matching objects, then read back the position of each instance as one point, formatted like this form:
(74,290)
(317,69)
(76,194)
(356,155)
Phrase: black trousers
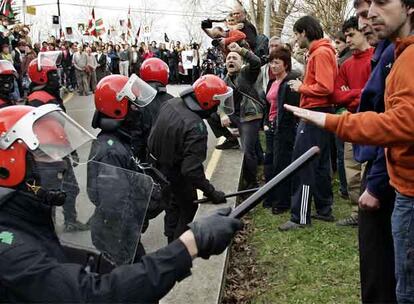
(376,253)
(278,156)
(314,179)
(215,125)
(181,209)
(71,188)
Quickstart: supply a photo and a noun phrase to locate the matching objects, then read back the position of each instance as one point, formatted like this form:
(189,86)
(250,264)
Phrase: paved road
(81,108)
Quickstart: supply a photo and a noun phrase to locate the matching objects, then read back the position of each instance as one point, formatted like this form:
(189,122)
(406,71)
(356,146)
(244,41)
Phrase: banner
(31,10)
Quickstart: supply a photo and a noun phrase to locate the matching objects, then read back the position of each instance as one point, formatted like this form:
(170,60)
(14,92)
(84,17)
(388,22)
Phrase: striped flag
(6,8)
(99,27)
(91,24)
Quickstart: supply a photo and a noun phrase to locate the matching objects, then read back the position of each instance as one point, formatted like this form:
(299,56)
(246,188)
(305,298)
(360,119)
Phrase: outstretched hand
(317,118)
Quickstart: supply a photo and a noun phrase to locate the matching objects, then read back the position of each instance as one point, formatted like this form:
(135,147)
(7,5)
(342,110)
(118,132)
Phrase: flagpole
(60,21)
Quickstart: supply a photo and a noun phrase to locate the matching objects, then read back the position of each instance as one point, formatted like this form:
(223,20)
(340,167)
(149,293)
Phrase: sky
(173,17)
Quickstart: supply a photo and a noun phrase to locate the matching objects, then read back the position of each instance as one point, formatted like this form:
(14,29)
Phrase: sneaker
(232,143)
(351,221)
(289,225)
(75,226)
(325,218)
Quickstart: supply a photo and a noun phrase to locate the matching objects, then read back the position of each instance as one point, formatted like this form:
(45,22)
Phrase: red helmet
(38,72)
(210,91)
(45,131)
(154,69)
(7,68)
(114,93)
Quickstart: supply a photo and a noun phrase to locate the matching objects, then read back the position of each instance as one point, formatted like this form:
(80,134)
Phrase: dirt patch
(244,279)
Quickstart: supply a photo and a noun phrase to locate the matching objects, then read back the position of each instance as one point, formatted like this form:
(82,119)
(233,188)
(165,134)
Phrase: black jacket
(178,142)
(251,33)
(248,105)
(285,121)
(145,119)
(34,267)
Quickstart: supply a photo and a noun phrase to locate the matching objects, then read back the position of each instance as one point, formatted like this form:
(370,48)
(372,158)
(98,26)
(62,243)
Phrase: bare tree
(280,11)
(331,14)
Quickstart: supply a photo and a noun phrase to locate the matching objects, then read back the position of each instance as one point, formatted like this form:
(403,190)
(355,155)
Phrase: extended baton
(255,199)
(247,191)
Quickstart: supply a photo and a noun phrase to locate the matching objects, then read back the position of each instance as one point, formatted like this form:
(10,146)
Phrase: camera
(215,42)
(206,24)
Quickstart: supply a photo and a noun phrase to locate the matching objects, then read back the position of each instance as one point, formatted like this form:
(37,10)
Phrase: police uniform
(34,267)
(178,143)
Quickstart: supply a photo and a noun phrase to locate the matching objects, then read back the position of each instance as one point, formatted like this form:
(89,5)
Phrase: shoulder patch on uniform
(6,237)
(110,142)
(201,127)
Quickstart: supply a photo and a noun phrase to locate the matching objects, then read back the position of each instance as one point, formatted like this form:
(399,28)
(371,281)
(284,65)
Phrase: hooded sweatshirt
(393,128)
(320,75)
(353,73)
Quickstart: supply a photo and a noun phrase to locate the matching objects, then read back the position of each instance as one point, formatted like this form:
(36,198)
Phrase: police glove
(217,197)
(214,233)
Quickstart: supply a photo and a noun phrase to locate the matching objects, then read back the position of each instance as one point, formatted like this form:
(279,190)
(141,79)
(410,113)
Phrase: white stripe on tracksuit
(304,204)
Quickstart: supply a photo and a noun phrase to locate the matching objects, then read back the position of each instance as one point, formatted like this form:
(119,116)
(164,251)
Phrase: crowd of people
(354,85)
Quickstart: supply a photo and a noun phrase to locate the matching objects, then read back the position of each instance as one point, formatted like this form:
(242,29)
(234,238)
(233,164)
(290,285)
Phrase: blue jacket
(372,99)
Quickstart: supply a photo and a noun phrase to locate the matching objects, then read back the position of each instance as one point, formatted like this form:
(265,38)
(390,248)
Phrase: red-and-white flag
(91,24)
(99,27)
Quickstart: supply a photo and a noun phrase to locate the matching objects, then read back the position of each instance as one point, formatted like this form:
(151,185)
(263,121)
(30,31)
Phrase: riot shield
(108,205)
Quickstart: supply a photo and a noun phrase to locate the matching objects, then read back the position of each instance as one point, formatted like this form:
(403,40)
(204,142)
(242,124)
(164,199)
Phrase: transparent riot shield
(104,210)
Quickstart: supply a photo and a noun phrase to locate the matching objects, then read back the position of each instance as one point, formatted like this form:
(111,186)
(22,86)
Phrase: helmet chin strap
(31,185)
(191,102)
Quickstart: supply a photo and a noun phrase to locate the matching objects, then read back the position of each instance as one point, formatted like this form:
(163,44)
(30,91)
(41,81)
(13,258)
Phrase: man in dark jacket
(240,15)
(180,127)
(249,108)
(376,248)
(156,73)
(34,266)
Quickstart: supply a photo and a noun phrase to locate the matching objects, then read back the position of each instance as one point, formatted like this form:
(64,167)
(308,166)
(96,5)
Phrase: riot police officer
(45,89)
(117,101)
(155,72)
(178,144)
(45,81)
(8,76)
(34,267)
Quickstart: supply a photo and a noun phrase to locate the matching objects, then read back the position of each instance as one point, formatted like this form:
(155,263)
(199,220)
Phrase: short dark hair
(340,36)
(359,2)
(409,4)
(311,26)
(351,23)
(284,55)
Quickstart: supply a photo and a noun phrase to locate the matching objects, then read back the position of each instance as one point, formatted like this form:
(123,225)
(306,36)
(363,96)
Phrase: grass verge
(314,265)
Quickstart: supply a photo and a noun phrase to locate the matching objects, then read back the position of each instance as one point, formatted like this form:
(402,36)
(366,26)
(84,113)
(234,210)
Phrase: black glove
(214,233)
(217,197)
(75,158)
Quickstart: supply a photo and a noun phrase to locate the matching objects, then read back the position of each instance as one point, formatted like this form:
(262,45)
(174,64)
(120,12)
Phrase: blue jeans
(402,223)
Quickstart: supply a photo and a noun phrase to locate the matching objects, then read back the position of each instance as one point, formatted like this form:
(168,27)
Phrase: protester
(353,75)
(80,63)
(314,181)
(280,127)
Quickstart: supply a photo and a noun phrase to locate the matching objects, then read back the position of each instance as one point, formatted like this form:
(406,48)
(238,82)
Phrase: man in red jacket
(318,85)
(352,77)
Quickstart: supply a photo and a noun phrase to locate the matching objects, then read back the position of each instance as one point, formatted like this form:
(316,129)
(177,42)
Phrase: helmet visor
(226,101)
(48,133)
(137,91)
(49,59)
(7,68)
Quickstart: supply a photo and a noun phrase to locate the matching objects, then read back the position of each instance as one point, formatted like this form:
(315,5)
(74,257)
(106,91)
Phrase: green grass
(313,265)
